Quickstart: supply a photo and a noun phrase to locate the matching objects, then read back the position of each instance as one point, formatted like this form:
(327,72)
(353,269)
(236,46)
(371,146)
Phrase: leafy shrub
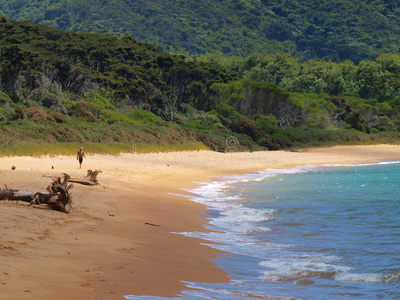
(357,121)
(268,123)
(100,99)
(36,114)
(84,110)
(319,120)
(57,117)
(19,111)
(225,110)
(386,124)
(144,116)
(245,125)
(49,100)
(110,117)
(4,113)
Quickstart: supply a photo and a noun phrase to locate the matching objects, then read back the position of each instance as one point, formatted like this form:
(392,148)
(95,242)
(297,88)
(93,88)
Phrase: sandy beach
(118,238)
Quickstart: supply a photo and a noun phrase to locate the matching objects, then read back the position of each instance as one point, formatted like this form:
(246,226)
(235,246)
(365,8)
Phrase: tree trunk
(57,197)
(9,194)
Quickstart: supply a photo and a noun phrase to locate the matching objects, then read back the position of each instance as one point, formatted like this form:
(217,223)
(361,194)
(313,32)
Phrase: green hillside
(334,30)
(58,86)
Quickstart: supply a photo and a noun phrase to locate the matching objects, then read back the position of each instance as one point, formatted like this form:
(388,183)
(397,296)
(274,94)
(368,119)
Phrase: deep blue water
(306,233)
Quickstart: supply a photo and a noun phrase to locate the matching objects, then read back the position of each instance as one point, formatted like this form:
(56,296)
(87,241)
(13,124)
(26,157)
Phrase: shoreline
(117,241)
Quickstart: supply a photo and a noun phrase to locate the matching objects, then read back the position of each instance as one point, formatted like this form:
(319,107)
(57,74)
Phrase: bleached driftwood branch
(90,179)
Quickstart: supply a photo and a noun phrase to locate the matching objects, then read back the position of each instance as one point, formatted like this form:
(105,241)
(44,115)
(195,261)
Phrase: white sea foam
(365,164)
(237,223)
(228,294)
(295,268)
(302,267)
(367,277)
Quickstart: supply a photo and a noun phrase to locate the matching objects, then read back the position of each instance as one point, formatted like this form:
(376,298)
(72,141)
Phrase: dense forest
(333,30)
(62,86)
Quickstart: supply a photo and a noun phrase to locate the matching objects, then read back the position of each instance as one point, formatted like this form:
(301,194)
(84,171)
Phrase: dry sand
(117,240)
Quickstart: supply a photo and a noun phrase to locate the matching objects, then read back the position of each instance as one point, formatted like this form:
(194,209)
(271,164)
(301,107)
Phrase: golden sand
(117,240)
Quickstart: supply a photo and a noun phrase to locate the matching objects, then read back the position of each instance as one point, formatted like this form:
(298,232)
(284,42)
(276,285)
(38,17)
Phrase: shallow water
(330,232)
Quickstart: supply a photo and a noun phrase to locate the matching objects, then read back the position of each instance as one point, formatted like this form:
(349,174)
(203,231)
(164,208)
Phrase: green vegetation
(87,88)
(334,30)
(368,79)
(39,149)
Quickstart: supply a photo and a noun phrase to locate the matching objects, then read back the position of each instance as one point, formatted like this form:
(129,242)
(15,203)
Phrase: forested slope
(60,86)
(334,30)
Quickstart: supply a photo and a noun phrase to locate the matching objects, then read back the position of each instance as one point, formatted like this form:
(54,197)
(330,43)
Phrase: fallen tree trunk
(57,197)
(9,194)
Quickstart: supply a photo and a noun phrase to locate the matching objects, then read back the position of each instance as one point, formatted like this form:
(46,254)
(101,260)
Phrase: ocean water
(330,232)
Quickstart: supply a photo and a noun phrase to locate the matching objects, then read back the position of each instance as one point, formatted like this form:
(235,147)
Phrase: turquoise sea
(330,232)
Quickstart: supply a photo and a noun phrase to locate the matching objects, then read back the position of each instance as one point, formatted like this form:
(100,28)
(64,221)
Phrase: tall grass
(40,149)
(147,148)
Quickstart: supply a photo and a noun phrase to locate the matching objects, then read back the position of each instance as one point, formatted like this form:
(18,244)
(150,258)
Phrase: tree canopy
(333,30)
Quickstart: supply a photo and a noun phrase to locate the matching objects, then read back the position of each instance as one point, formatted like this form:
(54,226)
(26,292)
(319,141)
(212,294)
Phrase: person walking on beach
(80,157)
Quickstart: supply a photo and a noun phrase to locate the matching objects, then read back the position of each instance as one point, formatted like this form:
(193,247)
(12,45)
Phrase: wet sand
(118,238)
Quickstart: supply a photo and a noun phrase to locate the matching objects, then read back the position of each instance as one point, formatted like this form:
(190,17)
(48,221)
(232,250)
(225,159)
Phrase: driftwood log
(57,197)
(90,179)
